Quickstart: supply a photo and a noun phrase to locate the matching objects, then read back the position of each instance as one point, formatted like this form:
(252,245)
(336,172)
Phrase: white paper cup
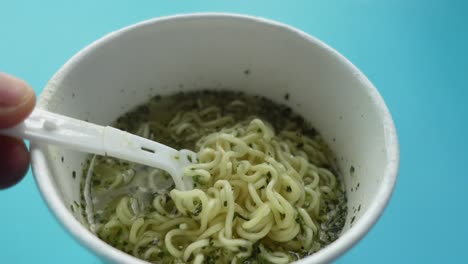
(224,51)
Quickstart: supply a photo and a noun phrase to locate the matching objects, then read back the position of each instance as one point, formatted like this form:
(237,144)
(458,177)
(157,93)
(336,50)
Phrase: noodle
(264,192)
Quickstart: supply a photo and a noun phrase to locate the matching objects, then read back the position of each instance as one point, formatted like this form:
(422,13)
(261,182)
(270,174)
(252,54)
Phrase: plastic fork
(50,128)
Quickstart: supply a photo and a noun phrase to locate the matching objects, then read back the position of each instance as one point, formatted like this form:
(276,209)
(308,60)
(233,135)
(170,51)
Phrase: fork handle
(46,127)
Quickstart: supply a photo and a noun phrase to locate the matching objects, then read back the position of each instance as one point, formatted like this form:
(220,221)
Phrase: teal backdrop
(414,51)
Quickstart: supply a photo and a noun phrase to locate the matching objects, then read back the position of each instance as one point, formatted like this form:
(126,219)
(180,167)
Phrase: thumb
(17,100)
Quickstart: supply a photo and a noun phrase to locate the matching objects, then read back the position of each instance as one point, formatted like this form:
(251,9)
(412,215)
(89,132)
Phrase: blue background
(415,52)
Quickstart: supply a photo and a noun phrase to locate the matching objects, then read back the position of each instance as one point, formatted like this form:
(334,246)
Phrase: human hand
(17,100)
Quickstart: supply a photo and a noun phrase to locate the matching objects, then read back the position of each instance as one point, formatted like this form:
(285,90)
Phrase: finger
(14,161)
(17,100)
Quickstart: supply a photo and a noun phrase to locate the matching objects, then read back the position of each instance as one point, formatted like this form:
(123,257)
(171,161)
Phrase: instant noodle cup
(224,52)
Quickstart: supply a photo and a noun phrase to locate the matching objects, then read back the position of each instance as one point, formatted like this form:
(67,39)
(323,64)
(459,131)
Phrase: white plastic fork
(46,127)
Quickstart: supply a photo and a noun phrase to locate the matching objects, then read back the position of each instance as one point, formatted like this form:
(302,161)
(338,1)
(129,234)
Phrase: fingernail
(13,91)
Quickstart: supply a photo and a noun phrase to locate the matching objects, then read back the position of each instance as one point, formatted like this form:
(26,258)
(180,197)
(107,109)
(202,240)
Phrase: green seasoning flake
(288,189)
(197,210)
(210,260)
(196,179)
(96,182)
(157,98)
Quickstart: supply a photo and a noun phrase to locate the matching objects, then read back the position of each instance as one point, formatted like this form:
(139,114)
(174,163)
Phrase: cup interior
(224,52)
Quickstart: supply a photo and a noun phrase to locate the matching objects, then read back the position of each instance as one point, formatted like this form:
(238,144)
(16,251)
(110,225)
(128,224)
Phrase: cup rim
(334,250)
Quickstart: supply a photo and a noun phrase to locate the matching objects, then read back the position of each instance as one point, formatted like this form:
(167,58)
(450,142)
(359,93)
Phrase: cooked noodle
(262,195)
